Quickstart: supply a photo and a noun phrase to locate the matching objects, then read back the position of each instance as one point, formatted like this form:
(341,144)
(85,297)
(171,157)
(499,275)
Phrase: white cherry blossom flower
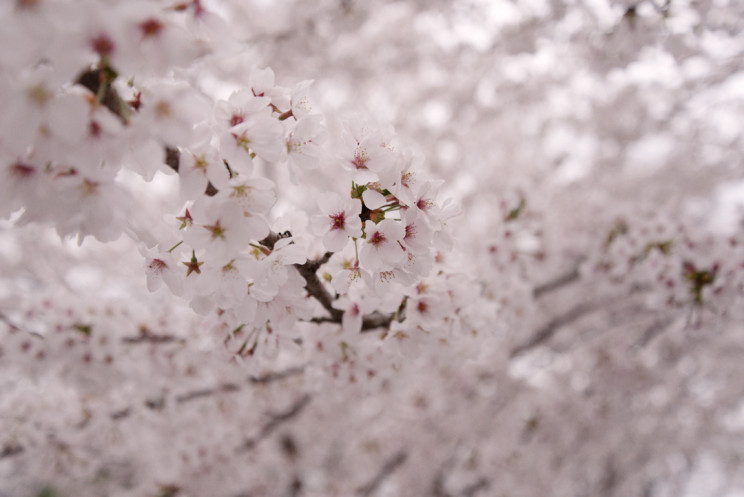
(300,100)
(170,109)
(417,238)
(242,105)
(254,196)
(355,306)
(163,267)
(373,199)
(199,166)
(258,135)
(364,154)
(304,145)
(220,228)
(343,272)
(339,221)
(277,268)
(261,83)
(381,250)
(21,183)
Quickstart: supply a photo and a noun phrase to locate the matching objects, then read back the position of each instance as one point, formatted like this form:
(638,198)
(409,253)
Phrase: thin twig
(553,325)
(159,403)
(11,450)
(279,375)
(15,327)
(152,338)
(474,488)
(387,469)
(555,284)
(655,329)
(206,392)
(277,420)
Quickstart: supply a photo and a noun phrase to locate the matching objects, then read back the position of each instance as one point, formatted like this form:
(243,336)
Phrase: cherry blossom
(381,249)
(498,233)
(221,229)
(339,221)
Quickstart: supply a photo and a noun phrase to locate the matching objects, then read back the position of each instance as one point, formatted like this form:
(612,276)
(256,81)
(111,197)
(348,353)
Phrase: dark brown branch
(316,289)
(654,330)
(272,238)
(14,327)
(387,469)
(160,402)
(156,403)
(121,414)
(277,420)
(11,450)
(93,78)
(152,338)
(279,375)
(172,158)
(560,281)
(370,322)
(438,487)
(376,320)
(206,392)
(547,331)
(474,488)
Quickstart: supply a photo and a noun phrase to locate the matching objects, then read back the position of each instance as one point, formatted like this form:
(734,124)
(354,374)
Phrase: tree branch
(148,337)
(206,392)
(552,326)
(474,488)
(93,78)
(555,284)
(279,375)
(277,420)
(10,450)
(387,469)
(159,403)
(316,289)
(655,329)
(377,319)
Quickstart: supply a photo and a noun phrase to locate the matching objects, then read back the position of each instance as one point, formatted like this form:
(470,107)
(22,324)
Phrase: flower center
(338,221)
(360,159)
(102,45)
(151,27)
(158,265)
(20,170)
(377,238)
(410,232)
(217,230)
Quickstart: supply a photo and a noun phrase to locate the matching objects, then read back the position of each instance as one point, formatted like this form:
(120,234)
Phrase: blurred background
(595,148)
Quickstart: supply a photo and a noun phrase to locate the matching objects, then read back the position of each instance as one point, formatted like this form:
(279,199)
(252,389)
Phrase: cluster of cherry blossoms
(318,321)
(87,125)
(677,263)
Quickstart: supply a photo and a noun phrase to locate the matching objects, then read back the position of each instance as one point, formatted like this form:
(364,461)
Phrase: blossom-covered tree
(222,278)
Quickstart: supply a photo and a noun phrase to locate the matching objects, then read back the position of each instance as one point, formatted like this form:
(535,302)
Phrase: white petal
(373,199)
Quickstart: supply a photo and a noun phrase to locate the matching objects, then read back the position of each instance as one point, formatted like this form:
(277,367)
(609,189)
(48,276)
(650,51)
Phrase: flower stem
(174,246)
